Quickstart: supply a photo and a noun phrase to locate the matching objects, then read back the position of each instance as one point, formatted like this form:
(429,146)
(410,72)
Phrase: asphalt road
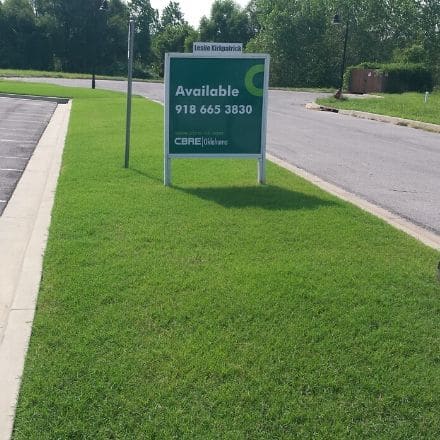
(22,122)
(397,168)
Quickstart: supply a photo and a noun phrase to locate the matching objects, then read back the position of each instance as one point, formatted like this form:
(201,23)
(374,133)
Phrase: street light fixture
(102,8)
(337,21)
(104,5)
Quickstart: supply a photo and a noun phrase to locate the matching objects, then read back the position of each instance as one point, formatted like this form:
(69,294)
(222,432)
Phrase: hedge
(401,77)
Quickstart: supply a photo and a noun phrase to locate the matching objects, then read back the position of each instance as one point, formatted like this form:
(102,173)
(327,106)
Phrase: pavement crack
(404,191)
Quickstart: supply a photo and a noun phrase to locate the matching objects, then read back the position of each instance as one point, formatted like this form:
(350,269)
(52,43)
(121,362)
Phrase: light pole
(102,8)
(337,21)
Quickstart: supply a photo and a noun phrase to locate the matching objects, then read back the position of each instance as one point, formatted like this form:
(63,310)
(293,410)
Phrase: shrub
(401,77)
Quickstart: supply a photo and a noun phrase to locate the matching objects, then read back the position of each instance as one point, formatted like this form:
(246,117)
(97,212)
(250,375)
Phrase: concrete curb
(23,235)
(426,237)
(433,128)
(36,98)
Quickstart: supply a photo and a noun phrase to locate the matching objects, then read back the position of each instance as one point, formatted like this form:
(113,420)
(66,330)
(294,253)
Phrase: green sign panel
(215,106)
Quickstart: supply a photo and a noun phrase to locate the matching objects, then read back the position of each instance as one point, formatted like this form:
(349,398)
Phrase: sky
(193,10)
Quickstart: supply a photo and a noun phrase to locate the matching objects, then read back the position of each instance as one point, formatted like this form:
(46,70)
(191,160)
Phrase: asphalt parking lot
(22,122)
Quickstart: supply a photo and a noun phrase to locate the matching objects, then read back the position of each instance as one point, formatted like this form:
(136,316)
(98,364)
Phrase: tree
(228,22)
(23,43)
(298,35)
(174,34)
(113,57)
(306,48)
(146,18)
(431,35)
(171,15)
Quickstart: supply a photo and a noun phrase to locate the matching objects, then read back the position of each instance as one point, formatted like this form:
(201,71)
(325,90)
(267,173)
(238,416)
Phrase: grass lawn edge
(283,312)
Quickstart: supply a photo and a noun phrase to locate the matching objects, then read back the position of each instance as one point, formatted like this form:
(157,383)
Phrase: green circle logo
(249,80)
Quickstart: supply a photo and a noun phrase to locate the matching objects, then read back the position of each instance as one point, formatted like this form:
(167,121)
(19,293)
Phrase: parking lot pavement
(22,122)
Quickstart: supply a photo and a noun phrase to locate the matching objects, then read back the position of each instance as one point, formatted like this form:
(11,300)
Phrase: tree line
(305,45)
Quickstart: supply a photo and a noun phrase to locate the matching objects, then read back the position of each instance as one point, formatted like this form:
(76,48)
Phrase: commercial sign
(215,106)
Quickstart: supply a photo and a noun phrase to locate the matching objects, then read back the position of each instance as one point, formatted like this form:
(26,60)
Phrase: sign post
(215,107)
(129,91)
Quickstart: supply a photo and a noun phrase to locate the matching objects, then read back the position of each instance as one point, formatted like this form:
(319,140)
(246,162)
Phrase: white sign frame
(261,157)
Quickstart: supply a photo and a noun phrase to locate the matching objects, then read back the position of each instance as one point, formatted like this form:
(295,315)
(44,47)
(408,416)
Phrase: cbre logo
(184,141)
(249,80)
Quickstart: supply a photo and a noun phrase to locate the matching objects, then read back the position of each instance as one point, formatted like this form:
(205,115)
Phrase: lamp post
(337,21)
(102,8)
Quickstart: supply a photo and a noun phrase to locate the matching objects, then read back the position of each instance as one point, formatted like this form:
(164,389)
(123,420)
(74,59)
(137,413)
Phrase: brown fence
(367,81)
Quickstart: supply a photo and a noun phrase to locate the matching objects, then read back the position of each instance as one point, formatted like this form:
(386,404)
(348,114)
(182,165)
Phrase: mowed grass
(219,309)
(405,105)
(11,73)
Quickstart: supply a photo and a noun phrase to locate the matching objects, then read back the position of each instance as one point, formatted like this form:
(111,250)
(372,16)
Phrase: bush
(414,54)
(401,77)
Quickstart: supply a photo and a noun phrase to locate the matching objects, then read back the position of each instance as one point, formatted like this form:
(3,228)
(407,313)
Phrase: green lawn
(219,309)
(405,105)
(51,74)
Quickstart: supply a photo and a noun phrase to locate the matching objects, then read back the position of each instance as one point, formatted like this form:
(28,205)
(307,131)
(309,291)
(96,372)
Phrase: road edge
(426,126)
(25,224)
(423,235)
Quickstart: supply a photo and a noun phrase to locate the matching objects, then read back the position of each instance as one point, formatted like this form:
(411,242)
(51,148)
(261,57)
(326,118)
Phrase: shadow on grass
(148,176)
(268,197)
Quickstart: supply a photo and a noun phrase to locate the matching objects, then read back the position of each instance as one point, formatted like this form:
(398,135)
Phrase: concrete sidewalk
(23,234)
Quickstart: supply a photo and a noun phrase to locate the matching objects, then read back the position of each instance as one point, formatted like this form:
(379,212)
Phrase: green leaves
(306,48)
(228,22)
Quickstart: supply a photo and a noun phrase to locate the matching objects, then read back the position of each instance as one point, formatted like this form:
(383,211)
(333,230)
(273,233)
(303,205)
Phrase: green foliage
(306,48)
(414,54)
(408,77)
(75,36)
(146,22)
(171,15)
(173,34)
(22,42)
(400,77)
(431,35)
(228,22)
(172,38)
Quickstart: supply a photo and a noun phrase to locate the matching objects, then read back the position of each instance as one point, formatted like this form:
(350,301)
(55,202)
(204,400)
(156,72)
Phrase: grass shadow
(145,174)
(268,197)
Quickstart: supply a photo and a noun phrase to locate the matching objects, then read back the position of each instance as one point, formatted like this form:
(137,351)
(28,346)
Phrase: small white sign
(217,49)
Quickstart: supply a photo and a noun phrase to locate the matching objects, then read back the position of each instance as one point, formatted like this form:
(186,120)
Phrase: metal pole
(94,48)
(167,171)
(166,139)
(262,171)
(344,55)
(129,91)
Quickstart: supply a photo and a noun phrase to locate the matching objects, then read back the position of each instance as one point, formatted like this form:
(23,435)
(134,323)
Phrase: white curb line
(23,235)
